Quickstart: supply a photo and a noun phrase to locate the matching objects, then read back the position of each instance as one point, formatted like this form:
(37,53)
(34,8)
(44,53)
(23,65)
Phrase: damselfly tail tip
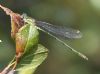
(83,56)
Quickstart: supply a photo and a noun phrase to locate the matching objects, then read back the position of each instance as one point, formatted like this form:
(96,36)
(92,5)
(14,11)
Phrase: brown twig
(16,23)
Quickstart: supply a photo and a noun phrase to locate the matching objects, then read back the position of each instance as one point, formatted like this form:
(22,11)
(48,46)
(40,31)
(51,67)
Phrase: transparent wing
(58,30)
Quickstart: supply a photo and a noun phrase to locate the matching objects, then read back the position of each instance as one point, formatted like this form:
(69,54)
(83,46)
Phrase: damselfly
(56,31)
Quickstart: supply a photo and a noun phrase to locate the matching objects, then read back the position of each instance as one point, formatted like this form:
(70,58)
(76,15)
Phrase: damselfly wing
(58,30)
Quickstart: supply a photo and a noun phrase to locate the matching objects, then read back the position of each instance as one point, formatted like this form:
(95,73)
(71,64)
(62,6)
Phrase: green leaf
(31,60)
(33,37)
(27,43)
(26,38)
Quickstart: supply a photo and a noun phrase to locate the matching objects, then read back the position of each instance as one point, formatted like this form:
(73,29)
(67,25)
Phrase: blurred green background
(79,14)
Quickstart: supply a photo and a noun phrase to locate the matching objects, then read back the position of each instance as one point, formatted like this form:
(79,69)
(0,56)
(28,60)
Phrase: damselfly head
(27,19)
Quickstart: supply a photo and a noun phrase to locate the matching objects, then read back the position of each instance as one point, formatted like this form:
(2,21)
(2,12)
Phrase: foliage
(29,54)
